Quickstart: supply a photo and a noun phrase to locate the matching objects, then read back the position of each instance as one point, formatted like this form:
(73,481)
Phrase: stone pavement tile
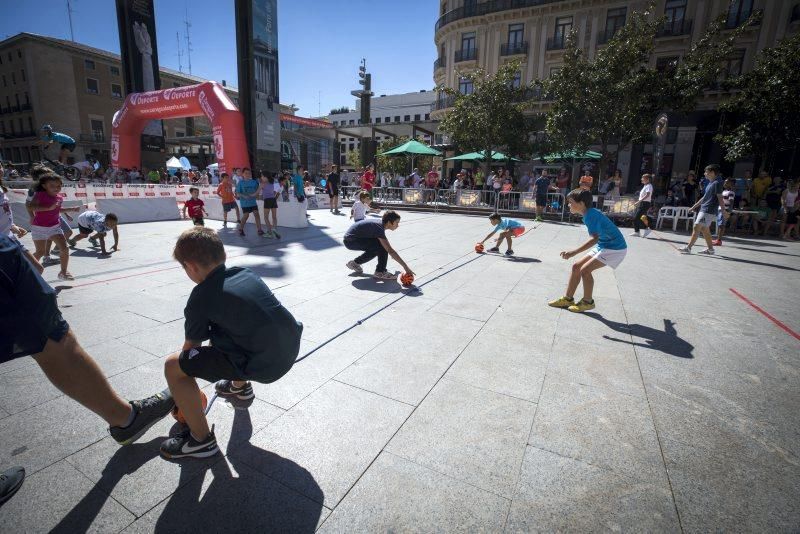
(114,324)
(601,427)
(60,499)
(114,356)
(504,364)
(17,363)
(24,388)
(3,413)
(229,496)
(162,308)
(28,438)
(471,434)
(159,340)
(305,376)
(463,304)
(721,492)
(715,421)
(611,368)
(334,434)
(396,495)
(560,494)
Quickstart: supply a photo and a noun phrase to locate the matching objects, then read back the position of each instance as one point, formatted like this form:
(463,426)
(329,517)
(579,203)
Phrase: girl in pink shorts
(46,206)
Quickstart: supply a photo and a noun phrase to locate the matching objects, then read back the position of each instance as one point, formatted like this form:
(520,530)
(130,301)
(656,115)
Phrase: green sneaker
(538,219)
(268,235)
(581,306)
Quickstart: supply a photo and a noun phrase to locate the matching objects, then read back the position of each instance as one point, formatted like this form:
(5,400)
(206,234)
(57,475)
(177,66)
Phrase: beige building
(472,34)
(77,89)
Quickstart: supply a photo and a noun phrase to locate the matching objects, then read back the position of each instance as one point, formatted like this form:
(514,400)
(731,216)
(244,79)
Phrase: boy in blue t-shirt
(247,192)
(608,248)
(508,228)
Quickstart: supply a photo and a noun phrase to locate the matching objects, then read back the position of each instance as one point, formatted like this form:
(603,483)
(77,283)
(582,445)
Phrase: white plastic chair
(667,212)
(683,214)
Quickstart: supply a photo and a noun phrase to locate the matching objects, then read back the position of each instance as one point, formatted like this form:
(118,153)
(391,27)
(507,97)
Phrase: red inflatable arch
(207,99)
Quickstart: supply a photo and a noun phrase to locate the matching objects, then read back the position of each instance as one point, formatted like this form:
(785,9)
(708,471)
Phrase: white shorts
(41,233)
(612,258)
(705,219)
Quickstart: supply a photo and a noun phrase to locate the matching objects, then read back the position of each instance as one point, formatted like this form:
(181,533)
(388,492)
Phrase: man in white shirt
(642,206)
(237,176)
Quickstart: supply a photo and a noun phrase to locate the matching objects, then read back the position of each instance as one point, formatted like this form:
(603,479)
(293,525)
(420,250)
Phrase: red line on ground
(665,241)
(767,315)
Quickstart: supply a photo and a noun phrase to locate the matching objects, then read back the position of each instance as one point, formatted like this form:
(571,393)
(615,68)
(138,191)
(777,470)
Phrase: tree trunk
(601,174)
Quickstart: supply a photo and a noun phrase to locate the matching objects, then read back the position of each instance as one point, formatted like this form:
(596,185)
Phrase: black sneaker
(509,252)
(148,412)
(225,388)
(494,249)
(184,445)
(10,482)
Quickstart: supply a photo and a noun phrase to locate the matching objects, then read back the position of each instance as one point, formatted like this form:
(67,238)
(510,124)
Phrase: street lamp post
(367,147)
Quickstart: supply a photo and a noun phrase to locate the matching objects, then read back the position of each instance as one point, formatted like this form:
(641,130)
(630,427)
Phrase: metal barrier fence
(477,199)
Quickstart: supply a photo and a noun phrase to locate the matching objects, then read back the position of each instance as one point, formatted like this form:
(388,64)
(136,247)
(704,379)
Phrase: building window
(615,19)
(5,82)
(732,67)
(387,119)
(352,122)
(667,64)
(116,90)
(92,86)
(13,78)
(397,118)
(16,97)
(8,101)
(98,133)
(554,71)
(179,133)
(515,32)
(378,120)
(563,27)
(114,70)
(468,41)
(19,54)
(407,118)
(465,86)
(10,59)
(27,99)
(738,12)
(175,84)
(21,127)
(427,116)
(30,124)
(675,10)
(417,117)
(88,64)
(11,126)
(352,147)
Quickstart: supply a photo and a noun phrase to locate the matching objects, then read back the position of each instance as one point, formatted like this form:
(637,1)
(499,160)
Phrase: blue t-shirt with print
(541,185)
(610,238)
(58,137)
(297,183)
(507,224)
(710,202)
(245,188)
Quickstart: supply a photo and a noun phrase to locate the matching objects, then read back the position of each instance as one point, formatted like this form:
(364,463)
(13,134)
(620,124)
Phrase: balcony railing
(94,137)
(736,20)
(484,8)
(26,107)
(675,28)
(443,103)
(439,63)
(557,42)
(512,49)
(469,54)
(605,36)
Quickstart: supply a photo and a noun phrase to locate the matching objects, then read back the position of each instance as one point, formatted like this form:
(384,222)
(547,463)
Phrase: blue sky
(321,42)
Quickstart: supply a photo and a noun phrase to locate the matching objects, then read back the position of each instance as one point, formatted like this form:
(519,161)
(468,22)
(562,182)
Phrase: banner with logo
(136,22)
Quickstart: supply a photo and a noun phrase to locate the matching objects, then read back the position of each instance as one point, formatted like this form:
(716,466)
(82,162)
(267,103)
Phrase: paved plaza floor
(467,405)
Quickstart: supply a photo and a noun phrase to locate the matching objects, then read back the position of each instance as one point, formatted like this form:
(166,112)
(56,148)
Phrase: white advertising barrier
(17,198)
(134,210)
(291,214)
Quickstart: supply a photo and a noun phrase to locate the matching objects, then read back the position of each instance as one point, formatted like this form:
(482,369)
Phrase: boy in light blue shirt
(247,192)
(508,228)
(607,246)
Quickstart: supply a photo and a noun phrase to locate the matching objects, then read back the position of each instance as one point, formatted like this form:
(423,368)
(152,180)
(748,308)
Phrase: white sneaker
(707,252)
(686,250)
(384,275)
(65,276)
(634,234)
(354,266)
(49,260)
(647,232)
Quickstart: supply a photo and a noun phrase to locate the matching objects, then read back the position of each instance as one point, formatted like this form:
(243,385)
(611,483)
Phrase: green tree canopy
(612,100)
(763,115)
(491,117)
(400,164)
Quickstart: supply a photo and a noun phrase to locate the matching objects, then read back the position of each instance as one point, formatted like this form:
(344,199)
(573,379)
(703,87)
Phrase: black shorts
(68,146)
(791,217)
(270,203)
(83,230)
(29,313)
(333,192)
(208,363)
(198,221)
(541,200)
(250,209)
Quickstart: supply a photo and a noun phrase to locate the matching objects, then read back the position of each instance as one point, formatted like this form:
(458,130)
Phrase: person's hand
(566,254)
(409,271)
(19,231)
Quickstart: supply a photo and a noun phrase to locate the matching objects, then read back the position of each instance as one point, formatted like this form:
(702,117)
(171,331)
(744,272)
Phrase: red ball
(178,415)
(406,279)
(478,247)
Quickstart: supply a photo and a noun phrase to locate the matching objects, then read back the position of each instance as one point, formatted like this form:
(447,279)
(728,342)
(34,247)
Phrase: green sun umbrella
(412,147)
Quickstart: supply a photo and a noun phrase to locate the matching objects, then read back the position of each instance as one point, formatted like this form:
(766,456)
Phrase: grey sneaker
(225,388)
(354,266)
(707,252)
(384,275)
(509,252)
(49,260)
(494,249)
(686,250)
(93,240)
(10,482)
(148,412)
(184,445)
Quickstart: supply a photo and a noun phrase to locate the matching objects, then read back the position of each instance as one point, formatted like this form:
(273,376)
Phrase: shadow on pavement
(248,500)
(521,259)
(666,341)
(752,262)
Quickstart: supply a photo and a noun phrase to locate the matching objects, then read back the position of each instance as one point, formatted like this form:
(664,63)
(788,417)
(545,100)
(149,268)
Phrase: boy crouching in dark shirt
(252,337)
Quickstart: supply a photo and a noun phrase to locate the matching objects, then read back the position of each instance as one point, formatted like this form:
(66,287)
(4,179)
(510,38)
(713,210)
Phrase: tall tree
(765,107)
(612,100)
(400,164)
(489,118)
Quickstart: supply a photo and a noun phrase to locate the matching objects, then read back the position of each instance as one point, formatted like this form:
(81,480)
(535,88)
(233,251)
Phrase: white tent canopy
(174,163)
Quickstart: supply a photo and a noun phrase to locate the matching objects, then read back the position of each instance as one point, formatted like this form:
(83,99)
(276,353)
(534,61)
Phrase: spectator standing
(760,185)
(773,196)
(153,177)
(368,180)
(563,181)
(690,189)
(432,182)
(791,201)
(524,182)
(586,182)
(642,206)
(332,187)
(728,199)
(742,188)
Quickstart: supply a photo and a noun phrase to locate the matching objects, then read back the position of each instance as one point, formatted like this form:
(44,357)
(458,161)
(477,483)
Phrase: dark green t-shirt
(236,310)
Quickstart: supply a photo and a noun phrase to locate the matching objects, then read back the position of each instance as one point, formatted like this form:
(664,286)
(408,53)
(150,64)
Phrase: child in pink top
(46,206)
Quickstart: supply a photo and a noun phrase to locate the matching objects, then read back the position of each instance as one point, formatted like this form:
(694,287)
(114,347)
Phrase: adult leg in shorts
(701,227)
(541,204)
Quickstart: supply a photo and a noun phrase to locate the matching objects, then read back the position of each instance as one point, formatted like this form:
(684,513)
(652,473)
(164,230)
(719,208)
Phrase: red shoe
(717,242)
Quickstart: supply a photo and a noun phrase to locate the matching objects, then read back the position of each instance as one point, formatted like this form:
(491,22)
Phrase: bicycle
(70,173)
